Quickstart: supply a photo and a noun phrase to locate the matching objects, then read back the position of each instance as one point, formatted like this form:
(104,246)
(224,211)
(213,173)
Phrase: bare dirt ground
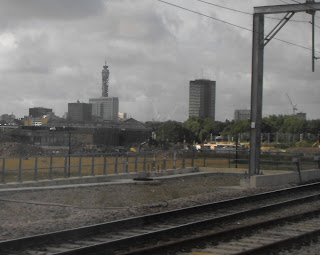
(35,212)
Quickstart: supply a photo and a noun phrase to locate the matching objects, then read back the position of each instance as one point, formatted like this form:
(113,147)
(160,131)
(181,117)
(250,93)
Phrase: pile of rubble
(14,149)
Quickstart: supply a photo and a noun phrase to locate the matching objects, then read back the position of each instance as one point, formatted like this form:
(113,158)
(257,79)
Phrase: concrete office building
(241,115)
(104,107)
(202,98)
(79,112)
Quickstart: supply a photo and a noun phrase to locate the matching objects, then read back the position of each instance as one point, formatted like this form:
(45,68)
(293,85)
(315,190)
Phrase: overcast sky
(52,53)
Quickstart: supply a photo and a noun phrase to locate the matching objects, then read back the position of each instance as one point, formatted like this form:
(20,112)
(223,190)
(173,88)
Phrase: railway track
(131,236)
(276,236)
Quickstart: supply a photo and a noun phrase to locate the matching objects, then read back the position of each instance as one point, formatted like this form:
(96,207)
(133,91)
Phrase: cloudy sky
(52,53)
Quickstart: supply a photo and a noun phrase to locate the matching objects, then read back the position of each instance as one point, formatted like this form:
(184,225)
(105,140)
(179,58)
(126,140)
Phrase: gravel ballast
(27,213)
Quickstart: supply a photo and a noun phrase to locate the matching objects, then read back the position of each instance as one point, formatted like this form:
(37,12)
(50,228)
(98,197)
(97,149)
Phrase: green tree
(293,125)
(194,125)
(170,131)
(213,127)
(313,127)
(237,127)
(272,124)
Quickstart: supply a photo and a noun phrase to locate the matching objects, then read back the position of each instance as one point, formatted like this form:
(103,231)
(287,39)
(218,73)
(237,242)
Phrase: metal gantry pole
(258,42)
(256,93)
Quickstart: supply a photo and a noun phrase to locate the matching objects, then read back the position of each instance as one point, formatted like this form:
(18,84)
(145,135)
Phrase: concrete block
(256,181)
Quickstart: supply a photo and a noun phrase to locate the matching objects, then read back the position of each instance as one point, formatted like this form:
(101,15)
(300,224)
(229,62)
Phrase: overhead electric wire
(243,12)
(207,16)
(306,5)
(231,24)
(224,7)
(283,2)
(296,1)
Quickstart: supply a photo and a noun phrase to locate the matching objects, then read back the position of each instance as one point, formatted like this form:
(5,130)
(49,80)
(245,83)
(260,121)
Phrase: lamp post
(69,152)
(237,151)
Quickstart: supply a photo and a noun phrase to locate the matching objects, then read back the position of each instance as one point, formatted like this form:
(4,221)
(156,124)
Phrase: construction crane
(294,107)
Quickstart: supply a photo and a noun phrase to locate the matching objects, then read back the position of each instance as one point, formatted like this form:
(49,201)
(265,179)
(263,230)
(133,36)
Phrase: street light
(69,152)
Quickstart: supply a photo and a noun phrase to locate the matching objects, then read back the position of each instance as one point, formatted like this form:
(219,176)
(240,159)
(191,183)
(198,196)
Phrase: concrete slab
(280,178)
(267,178)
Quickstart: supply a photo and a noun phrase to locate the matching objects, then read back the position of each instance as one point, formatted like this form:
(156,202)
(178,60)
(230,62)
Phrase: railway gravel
(36,212)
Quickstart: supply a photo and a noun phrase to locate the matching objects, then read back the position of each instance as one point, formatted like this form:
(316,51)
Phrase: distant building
(202,98)
(38,116)
(300,115)
(79,112)
(7,118)
(38,112)
(241,115)
(37,121)
(105,108)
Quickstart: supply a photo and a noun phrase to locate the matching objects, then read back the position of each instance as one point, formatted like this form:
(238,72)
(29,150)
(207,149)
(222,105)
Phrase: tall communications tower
(105,80)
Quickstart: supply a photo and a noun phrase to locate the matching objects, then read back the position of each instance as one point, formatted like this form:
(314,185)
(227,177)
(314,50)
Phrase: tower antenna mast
(105,80)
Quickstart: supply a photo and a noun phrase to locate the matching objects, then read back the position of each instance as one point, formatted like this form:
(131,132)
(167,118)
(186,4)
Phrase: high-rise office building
(104,107)
(202,98)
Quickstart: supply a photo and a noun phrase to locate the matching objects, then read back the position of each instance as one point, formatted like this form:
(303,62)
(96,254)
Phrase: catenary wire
(306,5)
(296,1)
(243,12)
(232,24)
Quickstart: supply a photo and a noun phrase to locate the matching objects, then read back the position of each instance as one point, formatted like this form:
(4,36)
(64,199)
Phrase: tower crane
(294,107)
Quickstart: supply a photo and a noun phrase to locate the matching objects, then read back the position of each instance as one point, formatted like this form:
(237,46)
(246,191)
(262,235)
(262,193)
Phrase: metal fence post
(297,162)
(192,159)
(92,166)
(174,159)
(3,172)
(35,177)
(123,164)
(105,165)
(50,169)
(154,162)
(65,166)
(136,164)
(183,159)
(80,166)
(165,161)
(19,171)
(127,164)
(116,164)
(204,159)
(144,161)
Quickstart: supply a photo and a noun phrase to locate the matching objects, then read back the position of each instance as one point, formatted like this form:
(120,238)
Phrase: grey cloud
(48,9)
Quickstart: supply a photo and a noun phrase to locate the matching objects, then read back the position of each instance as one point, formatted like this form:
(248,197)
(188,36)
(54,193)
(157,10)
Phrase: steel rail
(225,236)
(232,206)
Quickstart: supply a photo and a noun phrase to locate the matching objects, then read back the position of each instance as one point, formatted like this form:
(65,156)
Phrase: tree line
(198,130)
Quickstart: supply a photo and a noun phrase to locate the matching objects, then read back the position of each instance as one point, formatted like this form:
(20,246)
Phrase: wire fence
(25,169)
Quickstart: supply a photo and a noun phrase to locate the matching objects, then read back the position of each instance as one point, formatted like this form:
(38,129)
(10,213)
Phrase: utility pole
(69,152)
(258,44)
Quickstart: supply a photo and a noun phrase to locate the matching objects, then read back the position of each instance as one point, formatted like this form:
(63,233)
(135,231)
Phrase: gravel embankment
(36,212)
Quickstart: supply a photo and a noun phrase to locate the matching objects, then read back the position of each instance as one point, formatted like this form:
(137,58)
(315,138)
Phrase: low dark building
(79,112)
(38,112)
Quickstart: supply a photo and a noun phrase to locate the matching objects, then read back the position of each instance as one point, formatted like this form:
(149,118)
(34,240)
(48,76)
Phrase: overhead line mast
(258,44)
